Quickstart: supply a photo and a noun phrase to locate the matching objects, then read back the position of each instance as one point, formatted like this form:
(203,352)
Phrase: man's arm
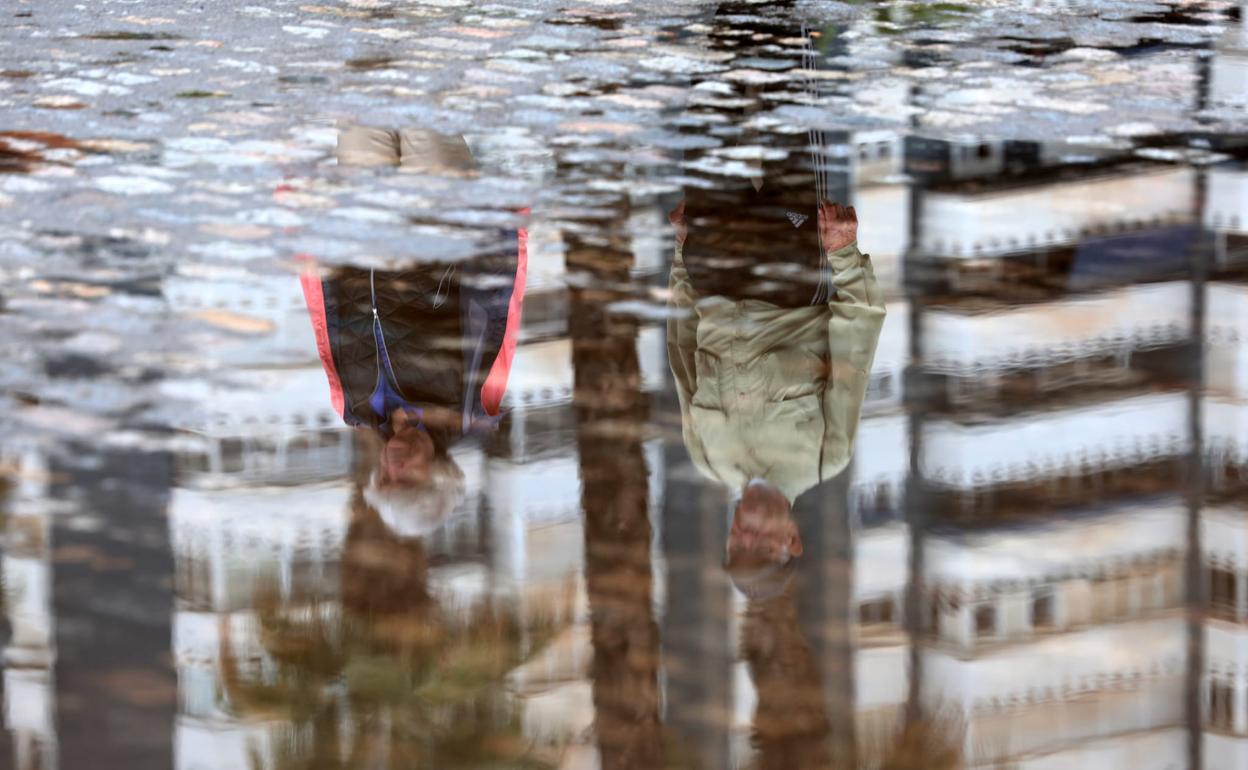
(682,337)
(854,323)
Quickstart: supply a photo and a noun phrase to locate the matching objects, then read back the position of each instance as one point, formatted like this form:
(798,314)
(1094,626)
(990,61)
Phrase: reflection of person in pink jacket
(419,355)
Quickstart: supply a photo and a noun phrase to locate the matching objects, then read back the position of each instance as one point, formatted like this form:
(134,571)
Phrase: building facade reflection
(1000,577)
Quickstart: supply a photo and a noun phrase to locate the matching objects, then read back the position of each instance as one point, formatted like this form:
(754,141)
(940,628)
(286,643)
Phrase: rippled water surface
(440,384)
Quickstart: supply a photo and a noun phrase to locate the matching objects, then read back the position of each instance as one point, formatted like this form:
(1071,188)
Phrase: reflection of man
(790,728)
(770,391)
(419,355)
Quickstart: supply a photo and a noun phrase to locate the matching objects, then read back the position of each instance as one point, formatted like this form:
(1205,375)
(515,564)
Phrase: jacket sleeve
(495,385)
(314,296)
(682,344)
(854,323)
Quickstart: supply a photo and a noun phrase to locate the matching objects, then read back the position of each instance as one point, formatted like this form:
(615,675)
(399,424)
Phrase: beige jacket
(770,392)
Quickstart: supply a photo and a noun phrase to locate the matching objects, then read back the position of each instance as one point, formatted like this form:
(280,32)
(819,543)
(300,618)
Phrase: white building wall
(1060,691)
(1113,322)
(1226,353)
(881,677)
(1039,445)
(1226,428)
(881,456)
(253,319)
(201,745)
(1153,750)
(1228,76)
(967,226)
(884,229)
(881,561)
(541,372)
(268,402)
(1226,659)
(29,713)
(28,588)
(1227,191)
(1085,544)
(1224,536)
(891,356)
(248,534)
(1224,752)
(29,708)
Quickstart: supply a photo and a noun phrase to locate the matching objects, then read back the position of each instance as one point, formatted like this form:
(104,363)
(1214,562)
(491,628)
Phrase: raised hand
(677,218)
(838,225)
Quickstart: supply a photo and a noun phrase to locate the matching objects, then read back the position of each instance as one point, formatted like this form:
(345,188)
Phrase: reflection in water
(417,360)
(999,526)
(422,355)
(390,676)
(790,727)
(771,393)
(775,316)
(611,411)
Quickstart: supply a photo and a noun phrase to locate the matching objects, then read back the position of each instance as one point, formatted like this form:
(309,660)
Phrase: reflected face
(406,458)
(763,531)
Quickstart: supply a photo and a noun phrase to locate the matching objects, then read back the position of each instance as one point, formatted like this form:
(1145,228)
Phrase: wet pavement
(482,385)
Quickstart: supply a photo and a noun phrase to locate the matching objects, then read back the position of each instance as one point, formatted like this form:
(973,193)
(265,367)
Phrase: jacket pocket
(797,413)
(792,373)
(706,393)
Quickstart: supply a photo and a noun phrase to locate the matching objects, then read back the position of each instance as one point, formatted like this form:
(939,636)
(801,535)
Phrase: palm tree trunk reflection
(611,411)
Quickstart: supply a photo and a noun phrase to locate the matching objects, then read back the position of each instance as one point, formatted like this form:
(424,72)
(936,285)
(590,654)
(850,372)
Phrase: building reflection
(70,656)
(1051,444)
(1062,423)
(29,656)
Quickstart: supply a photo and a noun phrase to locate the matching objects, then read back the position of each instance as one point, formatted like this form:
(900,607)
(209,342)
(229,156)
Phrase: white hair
(416,510)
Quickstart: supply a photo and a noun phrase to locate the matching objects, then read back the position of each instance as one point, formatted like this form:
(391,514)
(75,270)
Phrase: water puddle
(645,385)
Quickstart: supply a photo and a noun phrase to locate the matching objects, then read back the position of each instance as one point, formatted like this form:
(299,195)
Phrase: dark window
(1221,705)
(986,620)
(192,462)
(232,455)
(1223,589)
(876,611)
(1042,611)
(879,387)
(546,431)
(884,497)
(300,443)
(1122,597)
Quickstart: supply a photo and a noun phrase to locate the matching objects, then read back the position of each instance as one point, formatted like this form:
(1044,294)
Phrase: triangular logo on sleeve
(797,219)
